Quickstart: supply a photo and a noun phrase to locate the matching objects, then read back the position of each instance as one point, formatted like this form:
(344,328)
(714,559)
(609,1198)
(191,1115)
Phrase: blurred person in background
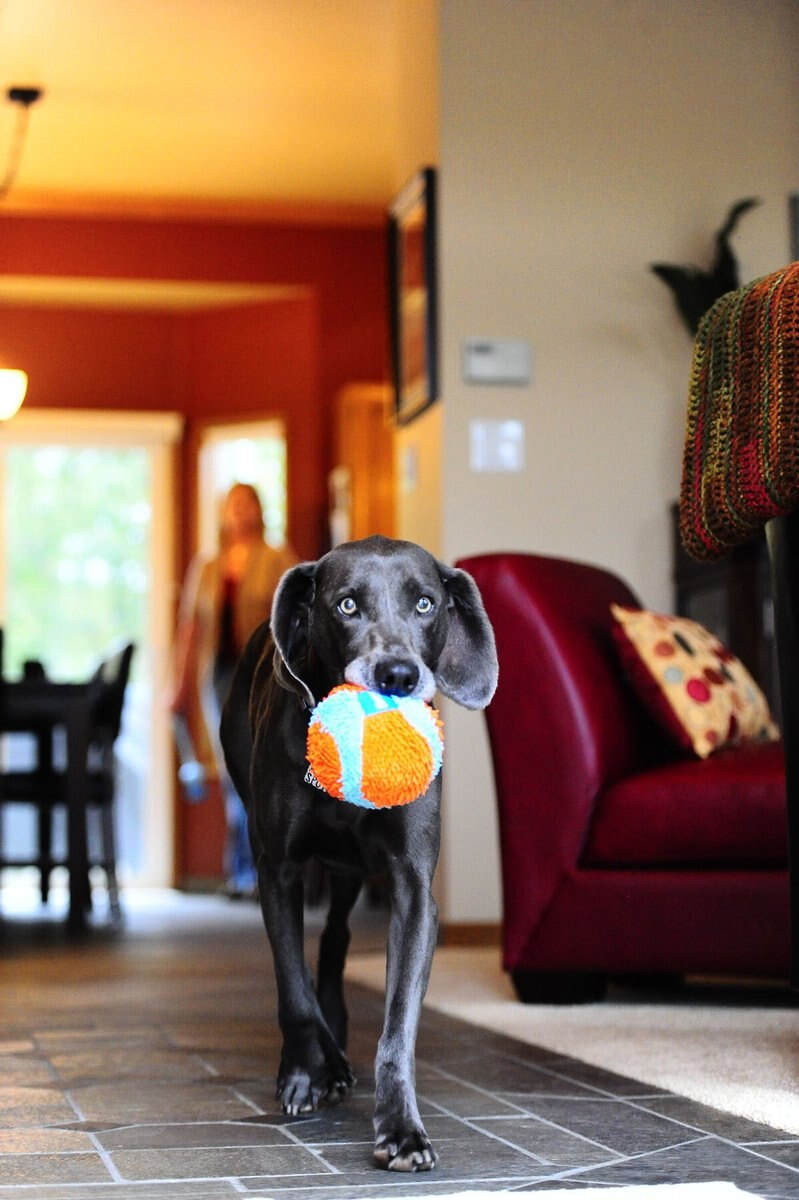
(223,600)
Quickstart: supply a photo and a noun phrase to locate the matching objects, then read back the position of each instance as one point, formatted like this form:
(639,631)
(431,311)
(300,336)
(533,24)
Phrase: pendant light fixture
(14,383)
(23,98)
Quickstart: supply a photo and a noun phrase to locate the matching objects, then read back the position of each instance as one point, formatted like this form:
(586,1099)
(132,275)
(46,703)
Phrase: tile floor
(140,1066)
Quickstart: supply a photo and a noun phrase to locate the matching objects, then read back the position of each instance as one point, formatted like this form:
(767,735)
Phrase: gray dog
(388,616)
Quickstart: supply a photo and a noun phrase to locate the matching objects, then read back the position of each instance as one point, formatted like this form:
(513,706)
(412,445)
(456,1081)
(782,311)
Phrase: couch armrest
(563,723)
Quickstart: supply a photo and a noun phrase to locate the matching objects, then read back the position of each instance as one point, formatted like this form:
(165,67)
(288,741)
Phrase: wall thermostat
(496,360)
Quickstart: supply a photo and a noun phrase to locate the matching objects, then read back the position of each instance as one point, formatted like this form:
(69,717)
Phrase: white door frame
(157,432)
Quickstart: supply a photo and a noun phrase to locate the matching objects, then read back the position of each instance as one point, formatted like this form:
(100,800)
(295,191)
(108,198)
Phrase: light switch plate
(496,445)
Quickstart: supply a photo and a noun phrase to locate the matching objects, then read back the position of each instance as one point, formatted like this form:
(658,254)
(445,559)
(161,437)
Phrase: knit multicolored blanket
(741,461)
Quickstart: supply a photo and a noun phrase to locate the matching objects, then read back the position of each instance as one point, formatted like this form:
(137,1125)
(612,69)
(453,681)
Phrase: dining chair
(43,786)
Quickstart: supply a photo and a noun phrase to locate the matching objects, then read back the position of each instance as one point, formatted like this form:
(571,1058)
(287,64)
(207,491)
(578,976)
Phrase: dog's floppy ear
(291,608)
(468,669)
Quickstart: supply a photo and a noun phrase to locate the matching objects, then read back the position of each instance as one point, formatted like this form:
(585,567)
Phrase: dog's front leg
(333,945)
(312,1067)
(401,1143)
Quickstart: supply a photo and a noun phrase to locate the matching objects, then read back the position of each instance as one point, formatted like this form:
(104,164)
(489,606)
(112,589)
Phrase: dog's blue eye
(347,606)
(424,605)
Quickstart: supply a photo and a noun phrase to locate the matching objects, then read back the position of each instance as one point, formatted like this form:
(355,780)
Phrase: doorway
(242,452)
(86,562)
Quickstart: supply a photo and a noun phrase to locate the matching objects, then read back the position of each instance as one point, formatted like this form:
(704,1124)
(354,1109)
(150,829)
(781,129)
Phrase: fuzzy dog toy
(373,750)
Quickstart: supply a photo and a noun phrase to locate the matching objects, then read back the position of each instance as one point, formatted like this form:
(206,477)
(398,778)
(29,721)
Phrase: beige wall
(581,140)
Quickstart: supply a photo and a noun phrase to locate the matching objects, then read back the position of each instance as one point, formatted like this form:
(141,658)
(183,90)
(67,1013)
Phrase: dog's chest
(338,836)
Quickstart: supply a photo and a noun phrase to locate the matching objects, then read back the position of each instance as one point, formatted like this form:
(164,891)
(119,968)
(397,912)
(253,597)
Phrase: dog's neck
(310,679)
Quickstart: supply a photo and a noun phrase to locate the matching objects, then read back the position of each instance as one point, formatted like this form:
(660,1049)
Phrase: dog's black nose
(396,677)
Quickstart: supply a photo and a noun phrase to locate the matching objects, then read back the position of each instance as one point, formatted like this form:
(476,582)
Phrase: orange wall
(263,360)
(85,358)
(289,358)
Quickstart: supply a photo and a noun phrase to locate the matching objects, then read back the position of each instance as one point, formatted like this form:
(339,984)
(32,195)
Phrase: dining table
(39,705)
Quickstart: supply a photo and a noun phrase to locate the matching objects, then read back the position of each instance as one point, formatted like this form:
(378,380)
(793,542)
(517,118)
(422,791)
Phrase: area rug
(668,1191)
(737,1056)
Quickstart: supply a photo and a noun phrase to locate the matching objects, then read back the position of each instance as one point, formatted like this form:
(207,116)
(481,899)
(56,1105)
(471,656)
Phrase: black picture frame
(413,295)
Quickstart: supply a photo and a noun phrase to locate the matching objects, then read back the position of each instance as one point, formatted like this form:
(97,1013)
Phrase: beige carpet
(669,1191)
(715,1046)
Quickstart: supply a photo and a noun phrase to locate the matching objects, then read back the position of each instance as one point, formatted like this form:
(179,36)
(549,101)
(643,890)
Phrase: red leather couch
(620,855)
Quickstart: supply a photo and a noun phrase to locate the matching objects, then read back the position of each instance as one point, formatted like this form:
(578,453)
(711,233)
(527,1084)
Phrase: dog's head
(385,615)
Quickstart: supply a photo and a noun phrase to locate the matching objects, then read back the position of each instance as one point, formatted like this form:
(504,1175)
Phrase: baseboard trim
(465,933)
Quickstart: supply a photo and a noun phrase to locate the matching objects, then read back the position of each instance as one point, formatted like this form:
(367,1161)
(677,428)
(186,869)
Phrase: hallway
(140,1066)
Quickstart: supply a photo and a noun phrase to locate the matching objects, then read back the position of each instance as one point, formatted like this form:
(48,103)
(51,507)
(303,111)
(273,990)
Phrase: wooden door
(364,461)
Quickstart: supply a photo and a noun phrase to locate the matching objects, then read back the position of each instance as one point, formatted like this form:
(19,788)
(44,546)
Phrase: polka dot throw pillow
(694,687)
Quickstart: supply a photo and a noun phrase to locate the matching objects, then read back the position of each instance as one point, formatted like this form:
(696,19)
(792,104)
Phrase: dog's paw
(341,1080)
(409,1150)
(299,1091)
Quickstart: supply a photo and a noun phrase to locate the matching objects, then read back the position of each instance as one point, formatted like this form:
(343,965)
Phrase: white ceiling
(246,104)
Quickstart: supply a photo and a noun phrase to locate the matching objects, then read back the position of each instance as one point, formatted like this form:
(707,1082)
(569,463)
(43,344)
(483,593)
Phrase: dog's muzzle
(392,675)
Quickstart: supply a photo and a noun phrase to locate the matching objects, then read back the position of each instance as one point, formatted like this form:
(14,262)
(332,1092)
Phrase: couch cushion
(702,695)
(726,810)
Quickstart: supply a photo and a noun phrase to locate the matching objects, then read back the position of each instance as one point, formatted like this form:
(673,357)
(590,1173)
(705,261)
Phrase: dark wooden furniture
(40,707)
(90,715)
(732,597)
(750,600)
(782,536)
(740,476)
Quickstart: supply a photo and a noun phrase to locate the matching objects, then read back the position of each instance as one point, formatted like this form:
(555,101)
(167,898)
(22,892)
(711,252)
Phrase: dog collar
(310,779)
(307,698)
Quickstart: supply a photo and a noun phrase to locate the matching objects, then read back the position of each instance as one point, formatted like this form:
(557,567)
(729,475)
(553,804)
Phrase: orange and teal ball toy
(373,750)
